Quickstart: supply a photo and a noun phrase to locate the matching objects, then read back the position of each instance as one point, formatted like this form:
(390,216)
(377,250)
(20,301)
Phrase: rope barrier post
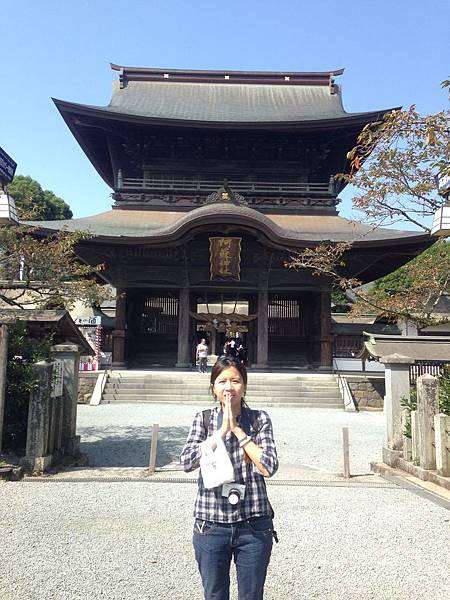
(153,449)
(345,446)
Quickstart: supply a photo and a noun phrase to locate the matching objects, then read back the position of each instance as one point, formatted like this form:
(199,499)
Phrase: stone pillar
(407,443)
(263,330)
(119,333)
(427,407)
(183,356)
(415,454)
(36,458)
(69,355)
(442,440)
(3,364)
(397,387)
(326,345)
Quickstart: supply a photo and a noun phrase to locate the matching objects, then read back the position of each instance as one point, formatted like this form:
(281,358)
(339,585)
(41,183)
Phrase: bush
(444,399)
(23,351)
(444,392)
(411,404)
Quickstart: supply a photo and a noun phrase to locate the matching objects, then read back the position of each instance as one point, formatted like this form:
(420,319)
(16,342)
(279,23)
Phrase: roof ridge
(224,76)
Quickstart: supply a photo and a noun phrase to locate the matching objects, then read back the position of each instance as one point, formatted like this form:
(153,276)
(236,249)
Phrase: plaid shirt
(210,505)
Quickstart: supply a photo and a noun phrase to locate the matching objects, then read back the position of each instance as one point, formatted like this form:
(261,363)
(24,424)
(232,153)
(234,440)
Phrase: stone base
(11,473)
(180,365)
(325,369)
(390,457)
(119,366)
(367,391)
(415,470)
(37,464)
(72,446)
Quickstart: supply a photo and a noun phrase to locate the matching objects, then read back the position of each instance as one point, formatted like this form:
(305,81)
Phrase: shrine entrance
(284,329)
(220,318)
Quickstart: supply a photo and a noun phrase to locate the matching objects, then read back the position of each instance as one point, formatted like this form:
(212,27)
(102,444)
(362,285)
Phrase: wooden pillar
(119,333)
(251,341)
(263,330)
(326,347)
(213,338)
(311,317)
(193,330)
(183,356)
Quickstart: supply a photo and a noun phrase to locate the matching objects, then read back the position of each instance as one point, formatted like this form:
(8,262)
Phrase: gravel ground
(76,541)
(67,540)
(309,441)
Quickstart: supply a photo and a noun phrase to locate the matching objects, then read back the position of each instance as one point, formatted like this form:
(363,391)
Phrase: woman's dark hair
(225,362)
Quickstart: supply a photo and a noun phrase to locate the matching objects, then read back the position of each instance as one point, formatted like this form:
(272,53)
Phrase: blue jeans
(249,542)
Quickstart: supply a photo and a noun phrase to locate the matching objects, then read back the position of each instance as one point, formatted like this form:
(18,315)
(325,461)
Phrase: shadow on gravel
(130,446)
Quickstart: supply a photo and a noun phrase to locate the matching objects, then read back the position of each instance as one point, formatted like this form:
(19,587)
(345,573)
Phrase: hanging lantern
(441,222)
(8,214)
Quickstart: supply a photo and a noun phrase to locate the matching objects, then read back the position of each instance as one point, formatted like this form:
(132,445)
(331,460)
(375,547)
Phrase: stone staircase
(264,389)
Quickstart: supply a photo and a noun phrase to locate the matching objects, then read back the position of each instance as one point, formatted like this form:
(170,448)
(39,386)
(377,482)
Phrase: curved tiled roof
(208,97)
(148,225)
(222,104)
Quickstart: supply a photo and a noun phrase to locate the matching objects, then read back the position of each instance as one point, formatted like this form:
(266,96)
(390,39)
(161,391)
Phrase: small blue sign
(7,167)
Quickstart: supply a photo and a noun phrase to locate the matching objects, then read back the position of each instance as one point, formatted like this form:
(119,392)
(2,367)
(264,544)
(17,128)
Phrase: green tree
(414,290)
(393,167)
(45,272)
(32,202)
(39,271)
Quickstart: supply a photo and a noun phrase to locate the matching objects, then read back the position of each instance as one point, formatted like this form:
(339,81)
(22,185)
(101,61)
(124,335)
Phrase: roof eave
(273,232)
(348,119)
(67,115)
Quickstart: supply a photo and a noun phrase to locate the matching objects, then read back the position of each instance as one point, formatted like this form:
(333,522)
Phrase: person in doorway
(202,355)
(242,354)
(226,528)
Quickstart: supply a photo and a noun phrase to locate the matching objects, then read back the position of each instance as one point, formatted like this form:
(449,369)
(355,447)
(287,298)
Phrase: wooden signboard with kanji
(225,258)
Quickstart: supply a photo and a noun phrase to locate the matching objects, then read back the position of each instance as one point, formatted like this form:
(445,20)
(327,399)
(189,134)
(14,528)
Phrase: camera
(235,492)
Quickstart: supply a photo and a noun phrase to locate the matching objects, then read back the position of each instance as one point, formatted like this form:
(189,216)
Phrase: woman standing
(233,526)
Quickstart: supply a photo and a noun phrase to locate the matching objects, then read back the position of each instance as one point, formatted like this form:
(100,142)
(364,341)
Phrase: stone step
(166,391)
(267,389)
(182,375)
(269,401)
(123,397)
(202,388)
(205,377)
(205,381)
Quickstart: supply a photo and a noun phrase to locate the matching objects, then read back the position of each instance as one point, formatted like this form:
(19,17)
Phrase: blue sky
(395,53)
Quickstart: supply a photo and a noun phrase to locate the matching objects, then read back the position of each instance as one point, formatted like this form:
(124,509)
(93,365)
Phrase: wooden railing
(212,185)
(419,369)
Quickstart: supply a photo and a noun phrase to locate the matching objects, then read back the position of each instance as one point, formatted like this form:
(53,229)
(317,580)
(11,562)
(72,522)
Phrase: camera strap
(248,421)
(249,418)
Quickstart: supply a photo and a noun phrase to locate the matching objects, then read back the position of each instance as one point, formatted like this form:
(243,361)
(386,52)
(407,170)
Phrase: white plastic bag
(215,465)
